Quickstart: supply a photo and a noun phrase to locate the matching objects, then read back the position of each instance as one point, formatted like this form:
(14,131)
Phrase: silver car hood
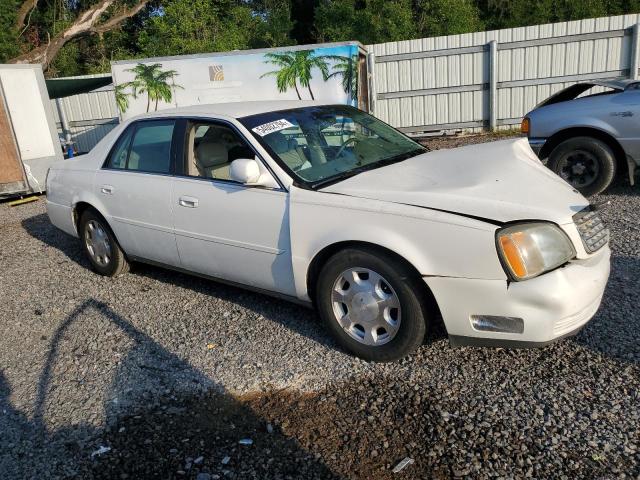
(500,181)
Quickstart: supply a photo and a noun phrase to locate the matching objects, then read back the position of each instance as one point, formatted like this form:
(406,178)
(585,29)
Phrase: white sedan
(328,206)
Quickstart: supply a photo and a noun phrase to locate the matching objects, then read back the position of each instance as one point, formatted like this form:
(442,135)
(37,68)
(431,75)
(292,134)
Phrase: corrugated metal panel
(97,106)
(602,50)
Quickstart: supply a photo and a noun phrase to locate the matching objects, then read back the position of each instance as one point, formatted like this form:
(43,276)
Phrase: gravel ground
(158,374)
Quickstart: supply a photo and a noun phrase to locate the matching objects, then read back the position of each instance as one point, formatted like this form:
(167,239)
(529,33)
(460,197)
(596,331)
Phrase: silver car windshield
(323,144)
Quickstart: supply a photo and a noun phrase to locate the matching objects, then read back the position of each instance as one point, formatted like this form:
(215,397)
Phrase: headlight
(530,249)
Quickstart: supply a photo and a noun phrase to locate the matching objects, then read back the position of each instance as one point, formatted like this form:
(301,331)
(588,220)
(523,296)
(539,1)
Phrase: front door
(225,229)
(135,188)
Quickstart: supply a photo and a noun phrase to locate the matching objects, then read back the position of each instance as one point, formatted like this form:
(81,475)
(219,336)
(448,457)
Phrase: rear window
(144,147)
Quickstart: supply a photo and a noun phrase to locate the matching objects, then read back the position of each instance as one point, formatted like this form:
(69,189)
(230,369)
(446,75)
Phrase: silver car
(586,138)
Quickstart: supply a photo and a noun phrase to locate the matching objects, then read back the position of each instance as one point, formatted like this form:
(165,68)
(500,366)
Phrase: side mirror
(248,172)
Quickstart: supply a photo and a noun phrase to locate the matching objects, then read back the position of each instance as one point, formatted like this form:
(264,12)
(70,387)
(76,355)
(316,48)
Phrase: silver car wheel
(366,306)
(98,244)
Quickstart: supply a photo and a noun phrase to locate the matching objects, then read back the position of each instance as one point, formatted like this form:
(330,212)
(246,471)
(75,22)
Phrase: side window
(118,158)
(151,147)
(211,148)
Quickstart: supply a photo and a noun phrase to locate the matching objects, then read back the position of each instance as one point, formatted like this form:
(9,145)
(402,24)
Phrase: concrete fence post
(634,51)
(493,85)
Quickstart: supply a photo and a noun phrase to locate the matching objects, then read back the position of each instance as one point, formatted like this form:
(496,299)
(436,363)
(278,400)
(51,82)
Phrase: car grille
(592,231)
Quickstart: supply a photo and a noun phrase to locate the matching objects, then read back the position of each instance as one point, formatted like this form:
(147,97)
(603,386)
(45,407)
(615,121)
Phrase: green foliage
(446,17)
(368,21)
(186,26)
(174,27)
(8,43)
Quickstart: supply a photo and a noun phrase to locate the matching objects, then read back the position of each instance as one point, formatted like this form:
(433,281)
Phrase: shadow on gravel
(40,228)
(152,428)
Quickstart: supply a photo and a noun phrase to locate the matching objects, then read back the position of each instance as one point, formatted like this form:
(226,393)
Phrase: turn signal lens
(512,255)
(531,249)
(524,126)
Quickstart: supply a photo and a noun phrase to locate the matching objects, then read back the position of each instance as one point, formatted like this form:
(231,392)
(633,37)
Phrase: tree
(446,17)
(198,26)
(369,21)
(96,19)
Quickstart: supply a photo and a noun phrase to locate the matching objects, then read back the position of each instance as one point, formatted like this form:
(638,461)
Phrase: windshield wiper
(370,166)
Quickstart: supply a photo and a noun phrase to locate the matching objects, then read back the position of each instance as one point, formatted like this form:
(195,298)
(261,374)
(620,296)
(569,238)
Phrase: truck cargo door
(11,171)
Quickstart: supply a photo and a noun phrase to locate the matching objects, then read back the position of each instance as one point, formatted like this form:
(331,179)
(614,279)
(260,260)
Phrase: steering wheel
(345,143)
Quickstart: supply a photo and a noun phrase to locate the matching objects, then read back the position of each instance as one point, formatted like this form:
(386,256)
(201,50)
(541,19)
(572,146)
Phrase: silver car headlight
(531,249)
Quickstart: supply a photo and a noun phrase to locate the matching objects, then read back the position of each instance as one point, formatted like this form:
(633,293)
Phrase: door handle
(106,189)
(188,202)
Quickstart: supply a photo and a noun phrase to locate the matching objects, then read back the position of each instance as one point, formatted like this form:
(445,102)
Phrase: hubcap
(579,168)
(366,306)
(97,242)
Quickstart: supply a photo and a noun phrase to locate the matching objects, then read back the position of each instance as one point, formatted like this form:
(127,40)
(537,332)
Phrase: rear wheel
(586,163)
(100,245)
(371,302)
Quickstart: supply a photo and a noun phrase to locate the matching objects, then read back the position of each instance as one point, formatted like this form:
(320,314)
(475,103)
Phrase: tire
(394,281)
(109,261)
(586,163)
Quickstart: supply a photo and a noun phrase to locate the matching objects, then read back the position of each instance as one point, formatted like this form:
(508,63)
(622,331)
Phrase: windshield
(323,144)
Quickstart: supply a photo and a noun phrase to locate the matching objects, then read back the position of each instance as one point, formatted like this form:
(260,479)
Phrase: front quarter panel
(435,243)
(583,112)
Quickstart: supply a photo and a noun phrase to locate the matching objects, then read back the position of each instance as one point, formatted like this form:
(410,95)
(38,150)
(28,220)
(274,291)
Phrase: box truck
(333,72)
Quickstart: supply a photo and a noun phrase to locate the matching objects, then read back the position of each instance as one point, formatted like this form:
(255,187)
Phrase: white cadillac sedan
(328,206)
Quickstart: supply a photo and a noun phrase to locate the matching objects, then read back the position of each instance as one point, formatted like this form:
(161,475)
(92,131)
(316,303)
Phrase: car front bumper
(551,306)
(536,145)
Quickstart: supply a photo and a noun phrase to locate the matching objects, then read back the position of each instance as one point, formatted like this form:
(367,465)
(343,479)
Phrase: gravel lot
(158,374)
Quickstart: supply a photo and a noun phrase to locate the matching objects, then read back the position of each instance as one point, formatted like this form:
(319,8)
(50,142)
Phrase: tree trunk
(87,23)
(295,84)
(148,102)
(310,92)
(156,107)
(23,14)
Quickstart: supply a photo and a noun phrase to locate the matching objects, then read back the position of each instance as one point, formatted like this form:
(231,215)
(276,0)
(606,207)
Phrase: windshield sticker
(271,127)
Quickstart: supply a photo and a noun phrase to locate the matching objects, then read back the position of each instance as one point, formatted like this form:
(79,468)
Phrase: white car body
(439,211)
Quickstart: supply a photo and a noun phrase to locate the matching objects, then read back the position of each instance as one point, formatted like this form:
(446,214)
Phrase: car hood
(499,181)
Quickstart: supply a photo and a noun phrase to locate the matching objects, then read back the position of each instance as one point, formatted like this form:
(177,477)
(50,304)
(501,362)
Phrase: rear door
(135,186)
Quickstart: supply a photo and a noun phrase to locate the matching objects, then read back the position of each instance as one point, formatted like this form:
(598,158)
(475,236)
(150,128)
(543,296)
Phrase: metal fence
(90,115)
(492,79)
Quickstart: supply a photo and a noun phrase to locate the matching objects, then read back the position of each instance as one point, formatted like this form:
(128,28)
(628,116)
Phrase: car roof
(233,109)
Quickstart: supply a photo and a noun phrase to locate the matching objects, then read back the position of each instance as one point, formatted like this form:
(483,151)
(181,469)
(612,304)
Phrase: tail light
(524,125)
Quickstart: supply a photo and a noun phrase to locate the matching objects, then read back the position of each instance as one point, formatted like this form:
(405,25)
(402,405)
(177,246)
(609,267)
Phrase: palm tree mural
(286,77)
(122,97)
(345,68)
(153,81)
(297,67)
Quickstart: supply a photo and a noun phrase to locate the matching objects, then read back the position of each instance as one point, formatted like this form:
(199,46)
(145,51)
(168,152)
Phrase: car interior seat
(212,160)
(289,151)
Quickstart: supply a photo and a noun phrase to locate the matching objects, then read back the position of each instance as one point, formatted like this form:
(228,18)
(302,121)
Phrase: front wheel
(371,302)
(586,163)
